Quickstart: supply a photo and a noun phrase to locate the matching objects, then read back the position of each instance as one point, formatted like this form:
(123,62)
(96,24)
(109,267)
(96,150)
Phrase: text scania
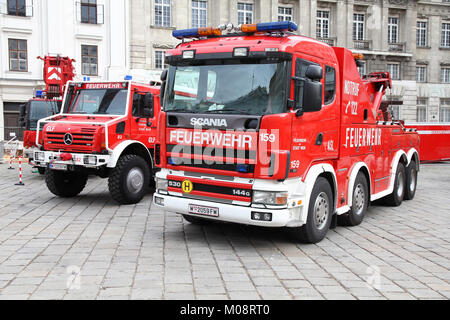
(362,137)
(200,122)
(212,138)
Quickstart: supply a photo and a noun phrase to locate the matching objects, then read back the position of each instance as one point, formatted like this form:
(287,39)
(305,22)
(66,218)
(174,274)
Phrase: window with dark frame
(18,55)
(330,85)
(89,11)
(17,8)
(89,60)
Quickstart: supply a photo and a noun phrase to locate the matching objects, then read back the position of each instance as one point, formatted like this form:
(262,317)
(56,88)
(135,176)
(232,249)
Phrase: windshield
(42,109)
(104,101)
(255,89)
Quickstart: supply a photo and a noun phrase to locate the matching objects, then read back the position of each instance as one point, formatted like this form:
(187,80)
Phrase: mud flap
(334,222)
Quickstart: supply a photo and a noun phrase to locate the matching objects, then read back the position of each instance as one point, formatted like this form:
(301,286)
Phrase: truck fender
(352,178)
(411,154)
(394,165)
(118,150)
(311,178)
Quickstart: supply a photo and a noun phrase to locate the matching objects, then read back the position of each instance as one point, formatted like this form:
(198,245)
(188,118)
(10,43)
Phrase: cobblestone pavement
(90,248)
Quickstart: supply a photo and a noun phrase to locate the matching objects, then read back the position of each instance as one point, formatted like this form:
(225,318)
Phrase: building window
(422,109)
(421,35)
(445,75)
(18,55)
(17,8)
(444,110)
(199,14)
(323,24)
(362,68)
(394,70)
(159,59)
(89,60)
(392,30)
(245,13)
(445,41)
(358,26)
(285,14)
(421,74)
(162,13)
(89,11)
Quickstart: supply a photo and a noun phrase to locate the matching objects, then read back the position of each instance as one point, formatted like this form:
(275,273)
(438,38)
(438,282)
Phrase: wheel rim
(321,211)
(359,199)
(412,183)
(400,185)
(135,180)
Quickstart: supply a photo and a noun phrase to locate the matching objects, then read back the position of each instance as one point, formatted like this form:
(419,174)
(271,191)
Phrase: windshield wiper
(227,110)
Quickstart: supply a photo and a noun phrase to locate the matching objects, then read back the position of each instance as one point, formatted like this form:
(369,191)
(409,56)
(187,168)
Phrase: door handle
(319,139)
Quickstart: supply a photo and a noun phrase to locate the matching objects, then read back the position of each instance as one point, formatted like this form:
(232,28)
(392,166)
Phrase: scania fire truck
(263,127)
(57,72)
(106,129)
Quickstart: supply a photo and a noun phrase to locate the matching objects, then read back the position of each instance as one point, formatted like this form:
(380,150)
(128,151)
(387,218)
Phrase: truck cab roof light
(240,52)
(269,26)
(196,32)
(188,54)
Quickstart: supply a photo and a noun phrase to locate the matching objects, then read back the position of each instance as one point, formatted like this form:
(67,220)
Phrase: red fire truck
(263,127)
(106,129)
(57,72)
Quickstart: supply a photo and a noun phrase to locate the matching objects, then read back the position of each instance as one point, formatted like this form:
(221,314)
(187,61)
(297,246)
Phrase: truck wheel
(395,199)
(65,184)
(319,214)
(411,181)
(195,220)
(41,170)
(129,180)
(360,203)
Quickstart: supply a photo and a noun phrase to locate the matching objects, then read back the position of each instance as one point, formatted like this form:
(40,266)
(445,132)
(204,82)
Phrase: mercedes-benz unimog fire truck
(106,129)
(263,127)
(57,72)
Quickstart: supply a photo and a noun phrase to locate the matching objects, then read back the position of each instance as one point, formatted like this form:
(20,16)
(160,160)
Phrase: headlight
(90,160)
(39,156)
(272,198)
(161,184)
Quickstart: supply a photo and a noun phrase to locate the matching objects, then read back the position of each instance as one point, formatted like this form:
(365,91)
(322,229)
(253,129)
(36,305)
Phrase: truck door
(315,134)
(143,120)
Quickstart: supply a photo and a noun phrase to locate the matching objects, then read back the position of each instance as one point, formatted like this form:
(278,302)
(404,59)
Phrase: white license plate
(56,166)
(204,211)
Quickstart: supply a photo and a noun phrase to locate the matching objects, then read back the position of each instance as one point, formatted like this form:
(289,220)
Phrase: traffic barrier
(10,162)
(20,173)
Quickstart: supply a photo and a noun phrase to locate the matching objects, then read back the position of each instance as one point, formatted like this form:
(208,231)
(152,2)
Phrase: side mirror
(23,111)
(314,72)
(162,90)
(312,96)
(164,75)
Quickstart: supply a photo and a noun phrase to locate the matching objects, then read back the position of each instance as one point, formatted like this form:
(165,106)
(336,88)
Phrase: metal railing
(362,44)
(329,41)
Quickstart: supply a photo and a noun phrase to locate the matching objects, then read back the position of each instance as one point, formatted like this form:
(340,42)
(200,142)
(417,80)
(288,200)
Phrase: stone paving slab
(89,247)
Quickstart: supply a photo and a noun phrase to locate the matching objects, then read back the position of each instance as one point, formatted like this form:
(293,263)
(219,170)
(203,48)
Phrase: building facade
(409,38)
(93,32)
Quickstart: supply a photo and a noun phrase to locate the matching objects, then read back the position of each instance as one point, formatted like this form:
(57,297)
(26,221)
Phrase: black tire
(195,220)
(41,170)
(65,184)
(317,227)
(395,199)
(129,180)
(360,203)
(411,180)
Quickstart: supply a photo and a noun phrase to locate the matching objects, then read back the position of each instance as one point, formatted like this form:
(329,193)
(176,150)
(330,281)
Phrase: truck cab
(106,129)
(263,127)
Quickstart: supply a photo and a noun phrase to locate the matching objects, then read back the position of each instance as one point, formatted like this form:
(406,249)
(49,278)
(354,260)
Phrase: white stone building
(409,38)
(94,32)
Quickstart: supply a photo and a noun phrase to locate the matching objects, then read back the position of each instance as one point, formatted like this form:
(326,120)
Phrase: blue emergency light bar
(246,28)
(39,94)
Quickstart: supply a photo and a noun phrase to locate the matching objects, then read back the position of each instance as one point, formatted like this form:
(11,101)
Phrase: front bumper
(233,213)
(46,158)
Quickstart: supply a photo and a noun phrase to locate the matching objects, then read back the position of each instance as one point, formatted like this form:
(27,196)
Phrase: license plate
(56,166)
(204,211)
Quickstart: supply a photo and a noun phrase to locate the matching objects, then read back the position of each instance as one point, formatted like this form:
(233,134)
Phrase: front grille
(81,141)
